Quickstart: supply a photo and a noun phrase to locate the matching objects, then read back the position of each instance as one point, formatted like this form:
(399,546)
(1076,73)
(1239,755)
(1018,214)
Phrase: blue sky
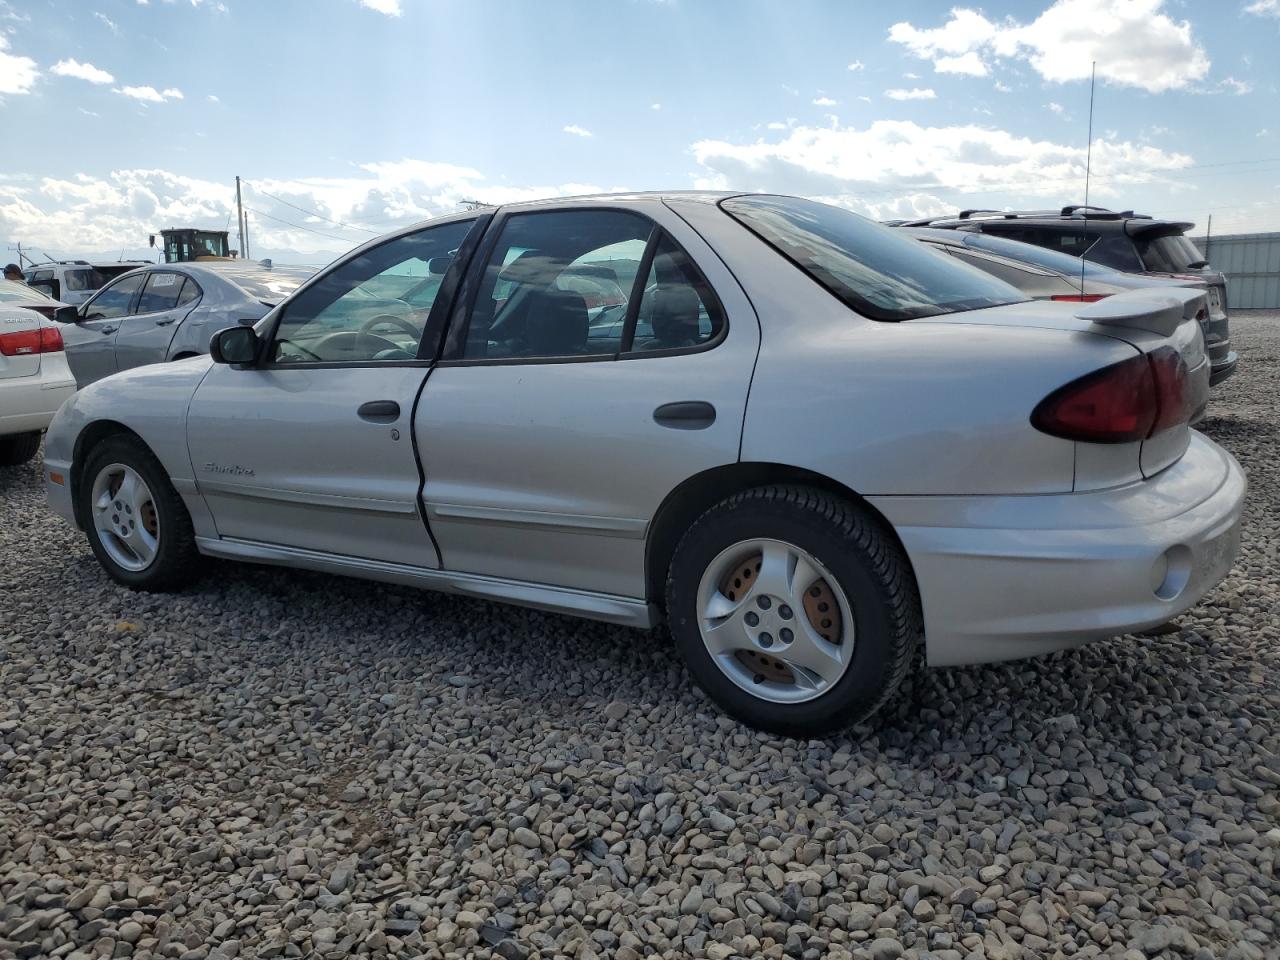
(121,117)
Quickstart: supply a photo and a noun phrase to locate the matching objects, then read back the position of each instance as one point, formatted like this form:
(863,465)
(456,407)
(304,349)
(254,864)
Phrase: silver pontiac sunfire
(801,439)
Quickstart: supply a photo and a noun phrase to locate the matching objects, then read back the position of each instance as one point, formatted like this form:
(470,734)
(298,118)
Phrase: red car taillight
(1127,401)
(24,342)
(1080,297)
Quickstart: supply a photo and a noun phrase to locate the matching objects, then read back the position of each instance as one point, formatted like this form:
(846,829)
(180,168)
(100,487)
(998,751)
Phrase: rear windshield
(270,288)
(870,268)
(1040,256)
(1172,253)
(20,292)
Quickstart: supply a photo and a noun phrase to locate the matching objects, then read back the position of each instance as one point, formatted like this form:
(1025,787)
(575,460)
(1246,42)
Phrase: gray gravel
(285,764)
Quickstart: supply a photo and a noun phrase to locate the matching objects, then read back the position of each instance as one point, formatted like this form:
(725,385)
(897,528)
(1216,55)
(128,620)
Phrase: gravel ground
(285,764)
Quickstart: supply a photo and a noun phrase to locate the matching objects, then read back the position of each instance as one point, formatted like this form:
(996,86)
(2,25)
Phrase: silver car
(826,446)
(169,312)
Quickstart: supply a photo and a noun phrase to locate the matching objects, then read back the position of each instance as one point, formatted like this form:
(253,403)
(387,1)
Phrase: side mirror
(439,266)
(66,314)
(235,345)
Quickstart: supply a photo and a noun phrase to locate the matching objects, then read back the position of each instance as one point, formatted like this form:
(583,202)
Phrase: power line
(298,226)
(310,213)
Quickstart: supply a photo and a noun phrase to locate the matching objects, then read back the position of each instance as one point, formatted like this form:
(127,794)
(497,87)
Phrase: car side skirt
(625,611)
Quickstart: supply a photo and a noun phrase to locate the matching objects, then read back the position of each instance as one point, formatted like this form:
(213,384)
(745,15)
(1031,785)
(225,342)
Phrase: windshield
(1172,253)
(1039,256)
(11,292)
(870,268)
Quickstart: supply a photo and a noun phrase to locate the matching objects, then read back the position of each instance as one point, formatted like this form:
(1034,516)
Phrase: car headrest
(557,323)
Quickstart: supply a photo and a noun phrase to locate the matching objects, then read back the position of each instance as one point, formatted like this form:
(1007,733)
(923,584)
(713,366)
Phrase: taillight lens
(1127,401)
(22,343)
(1080,297)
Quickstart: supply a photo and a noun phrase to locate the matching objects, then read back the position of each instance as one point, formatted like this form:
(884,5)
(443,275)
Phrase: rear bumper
(1223,366)
(1008,577)
(29,403)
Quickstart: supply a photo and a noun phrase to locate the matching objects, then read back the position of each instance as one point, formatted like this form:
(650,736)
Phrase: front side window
(551,286)
(115,300)
(871,269)
(161,292)
(372,307)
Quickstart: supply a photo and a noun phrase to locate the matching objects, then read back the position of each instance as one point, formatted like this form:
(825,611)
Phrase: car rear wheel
(18,448)
(794,610)
(138,526)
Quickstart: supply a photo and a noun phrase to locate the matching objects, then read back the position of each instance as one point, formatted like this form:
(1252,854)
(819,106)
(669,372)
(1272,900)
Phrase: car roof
(1132,223)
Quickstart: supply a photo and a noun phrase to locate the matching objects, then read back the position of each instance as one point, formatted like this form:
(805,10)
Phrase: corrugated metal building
(1251,262)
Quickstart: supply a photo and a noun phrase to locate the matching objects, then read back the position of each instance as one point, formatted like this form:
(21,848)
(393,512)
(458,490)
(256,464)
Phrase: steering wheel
(368,342)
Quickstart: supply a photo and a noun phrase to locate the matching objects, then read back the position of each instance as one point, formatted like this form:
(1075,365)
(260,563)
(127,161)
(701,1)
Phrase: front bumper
(1008,577)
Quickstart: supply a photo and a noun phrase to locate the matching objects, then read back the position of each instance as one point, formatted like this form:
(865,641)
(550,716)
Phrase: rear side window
(678,310)
(87,279)
(1172,253)
(160,293)
(871,269)
(1113,250)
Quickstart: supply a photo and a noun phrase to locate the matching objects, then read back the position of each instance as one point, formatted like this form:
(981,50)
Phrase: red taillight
(1127,401)
(22,343)
(1080,297)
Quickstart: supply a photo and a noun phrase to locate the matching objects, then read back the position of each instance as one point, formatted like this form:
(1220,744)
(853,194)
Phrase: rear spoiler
(1159,310)
(1139,228)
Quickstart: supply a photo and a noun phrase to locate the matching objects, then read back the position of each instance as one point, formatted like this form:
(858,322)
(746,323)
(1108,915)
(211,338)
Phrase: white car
(825,445)
(34,379)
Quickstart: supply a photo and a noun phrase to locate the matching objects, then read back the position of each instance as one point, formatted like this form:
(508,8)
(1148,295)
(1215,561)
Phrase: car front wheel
(137,524)
(794,610)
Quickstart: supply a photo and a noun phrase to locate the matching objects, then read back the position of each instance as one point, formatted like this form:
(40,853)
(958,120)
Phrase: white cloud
(915,93)
(1003,87)
(823,102)
(84,214)
(1133,43)
(390,7)
(911,76)
(865,99)
(655,106)
(969,64)
(17,74)
(577,131)
(110,24)
(149,94)
(892,159)
(1238,87)
(857,65)
(81,71)
(213,98)
(1264,8)
(776,125)
(1055,107)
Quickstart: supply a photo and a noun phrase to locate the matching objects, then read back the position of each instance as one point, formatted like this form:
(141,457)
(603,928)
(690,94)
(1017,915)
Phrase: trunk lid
(19,342)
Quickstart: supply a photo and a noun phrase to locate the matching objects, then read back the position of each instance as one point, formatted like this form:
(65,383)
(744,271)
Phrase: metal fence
(1251,262)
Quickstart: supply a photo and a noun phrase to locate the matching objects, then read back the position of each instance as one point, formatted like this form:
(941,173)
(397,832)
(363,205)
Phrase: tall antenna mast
(1088,163)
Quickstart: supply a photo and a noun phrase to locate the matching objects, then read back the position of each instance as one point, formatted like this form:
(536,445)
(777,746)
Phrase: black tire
(871,569)
(18,448)
(177,561)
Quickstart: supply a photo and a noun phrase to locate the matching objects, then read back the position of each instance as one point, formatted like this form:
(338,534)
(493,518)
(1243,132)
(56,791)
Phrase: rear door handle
(685,415)
(379,411)
(106,330)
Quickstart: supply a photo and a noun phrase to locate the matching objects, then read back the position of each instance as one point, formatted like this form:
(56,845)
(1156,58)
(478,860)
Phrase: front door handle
(379,411)
(165,323)
(685,415)
(106,330)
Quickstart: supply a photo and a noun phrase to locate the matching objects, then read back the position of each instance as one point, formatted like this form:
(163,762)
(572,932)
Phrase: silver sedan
(169,312)
(809,446)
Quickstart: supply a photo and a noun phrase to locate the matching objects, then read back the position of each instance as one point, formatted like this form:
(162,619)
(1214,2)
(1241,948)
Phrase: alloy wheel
(124,515)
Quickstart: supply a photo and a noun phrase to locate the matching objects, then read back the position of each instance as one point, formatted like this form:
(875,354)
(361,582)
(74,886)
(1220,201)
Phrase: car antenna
(1088,162)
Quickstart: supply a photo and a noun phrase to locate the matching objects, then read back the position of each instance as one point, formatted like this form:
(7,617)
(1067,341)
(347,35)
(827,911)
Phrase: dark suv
(1128,241)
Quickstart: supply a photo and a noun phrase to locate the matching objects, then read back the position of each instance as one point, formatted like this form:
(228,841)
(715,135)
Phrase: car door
(546,448)
(144,336)
(90,343)
(312,447)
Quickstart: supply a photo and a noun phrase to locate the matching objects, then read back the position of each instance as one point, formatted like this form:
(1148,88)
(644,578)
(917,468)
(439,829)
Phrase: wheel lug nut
(784,612)
(751,619)
(764,603)
(766,640)
(785,635)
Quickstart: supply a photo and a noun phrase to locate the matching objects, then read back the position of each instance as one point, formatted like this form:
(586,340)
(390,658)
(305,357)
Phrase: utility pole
(1208,237)
(22,256)
(240,218)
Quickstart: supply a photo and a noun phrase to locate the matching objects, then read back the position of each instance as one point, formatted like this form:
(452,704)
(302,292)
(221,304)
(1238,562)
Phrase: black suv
(1128,241)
